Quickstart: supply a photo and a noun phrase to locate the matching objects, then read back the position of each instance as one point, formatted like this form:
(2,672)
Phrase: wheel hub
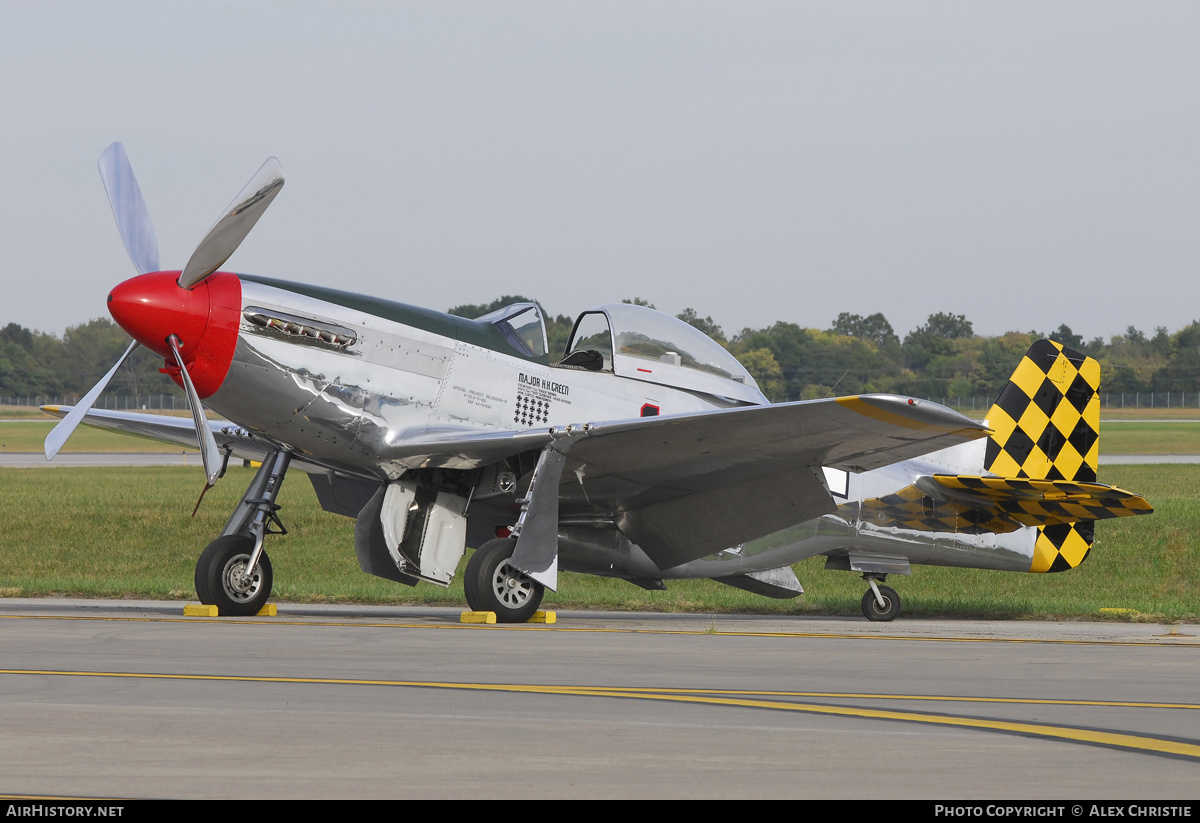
(512,588)
(239,585)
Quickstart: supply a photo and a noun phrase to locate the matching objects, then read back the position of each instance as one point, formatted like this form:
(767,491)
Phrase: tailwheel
(884,612)
(221,578)
(493,585)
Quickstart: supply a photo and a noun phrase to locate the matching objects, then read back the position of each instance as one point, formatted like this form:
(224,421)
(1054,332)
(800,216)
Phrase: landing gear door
(445,538)
(425,531)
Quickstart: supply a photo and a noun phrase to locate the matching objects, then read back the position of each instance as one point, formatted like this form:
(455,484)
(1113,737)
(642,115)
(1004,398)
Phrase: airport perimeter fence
(1108,400)
(123,402)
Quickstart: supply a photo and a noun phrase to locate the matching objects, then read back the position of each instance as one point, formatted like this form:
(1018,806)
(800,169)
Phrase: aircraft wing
(685,486)
(182,432)
(680,486)
(974,504)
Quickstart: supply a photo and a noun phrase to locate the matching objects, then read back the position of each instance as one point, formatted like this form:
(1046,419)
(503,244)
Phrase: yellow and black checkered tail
(1047,427)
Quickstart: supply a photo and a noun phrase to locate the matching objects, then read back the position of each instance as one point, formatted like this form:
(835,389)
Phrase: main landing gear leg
(509,576)
(234,573)
(881,603)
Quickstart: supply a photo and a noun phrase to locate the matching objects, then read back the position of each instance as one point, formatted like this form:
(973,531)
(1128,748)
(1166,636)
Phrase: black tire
(881,614)
(215,584)
(492,585)
(202,580)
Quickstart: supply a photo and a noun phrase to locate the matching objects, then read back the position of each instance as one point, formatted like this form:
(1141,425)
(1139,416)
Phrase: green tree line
(941,358)
(36,363)
(945,358)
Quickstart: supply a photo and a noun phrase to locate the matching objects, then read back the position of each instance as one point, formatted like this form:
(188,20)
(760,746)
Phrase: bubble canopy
(522,326)
(645,344)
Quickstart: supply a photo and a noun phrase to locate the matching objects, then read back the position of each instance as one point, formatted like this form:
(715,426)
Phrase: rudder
(1046,426)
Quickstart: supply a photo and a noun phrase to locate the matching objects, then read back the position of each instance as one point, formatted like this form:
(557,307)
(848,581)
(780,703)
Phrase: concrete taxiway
(122,699)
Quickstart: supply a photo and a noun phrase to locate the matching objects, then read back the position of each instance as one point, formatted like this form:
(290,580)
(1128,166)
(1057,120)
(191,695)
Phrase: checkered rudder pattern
(1047,427)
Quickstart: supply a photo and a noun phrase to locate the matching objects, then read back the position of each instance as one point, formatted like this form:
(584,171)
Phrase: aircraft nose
(151,307)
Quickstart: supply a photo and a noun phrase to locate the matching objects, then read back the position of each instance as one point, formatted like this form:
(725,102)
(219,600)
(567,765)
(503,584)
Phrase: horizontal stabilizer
(1042,502)
(973,504)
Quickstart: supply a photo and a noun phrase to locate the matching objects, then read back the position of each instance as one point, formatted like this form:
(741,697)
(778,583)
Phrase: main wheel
(221,580)
(885,613)
(493,585)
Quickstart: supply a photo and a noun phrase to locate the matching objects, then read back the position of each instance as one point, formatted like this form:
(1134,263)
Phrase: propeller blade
(209,453)
(231,229)
(59,434)
(133,219)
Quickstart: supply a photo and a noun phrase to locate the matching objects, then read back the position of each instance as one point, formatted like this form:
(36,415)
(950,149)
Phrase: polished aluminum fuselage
(351,409)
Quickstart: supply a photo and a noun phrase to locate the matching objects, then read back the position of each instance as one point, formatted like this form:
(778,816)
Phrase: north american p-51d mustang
(646,452)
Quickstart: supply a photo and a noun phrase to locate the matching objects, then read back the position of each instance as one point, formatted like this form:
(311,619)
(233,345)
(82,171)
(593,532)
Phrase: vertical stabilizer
(1047,427)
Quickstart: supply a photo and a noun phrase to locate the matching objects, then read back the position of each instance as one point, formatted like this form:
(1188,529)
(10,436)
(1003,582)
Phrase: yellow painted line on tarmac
(1110,739)
(1090,736)
(1124,704)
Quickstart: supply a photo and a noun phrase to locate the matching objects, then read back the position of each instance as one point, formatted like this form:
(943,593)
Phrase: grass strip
(126,532)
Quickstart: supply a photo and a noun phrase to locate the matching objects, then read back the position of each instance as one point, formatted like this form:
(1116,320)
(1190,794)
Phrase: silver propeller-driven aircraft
(646,452)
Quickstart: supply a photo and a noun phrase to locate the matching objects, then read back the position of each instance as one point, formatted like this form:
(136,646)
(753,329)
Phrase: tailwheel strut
(880,603)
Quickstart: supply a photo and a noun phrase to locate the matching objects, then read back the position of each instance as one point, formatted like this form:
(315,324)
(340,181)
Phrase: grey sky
(1024,164)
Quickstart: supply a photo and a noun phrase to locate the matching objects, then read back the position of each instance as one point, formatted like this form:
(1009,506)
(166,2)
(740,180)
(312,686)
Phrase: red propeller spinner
(151,307)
